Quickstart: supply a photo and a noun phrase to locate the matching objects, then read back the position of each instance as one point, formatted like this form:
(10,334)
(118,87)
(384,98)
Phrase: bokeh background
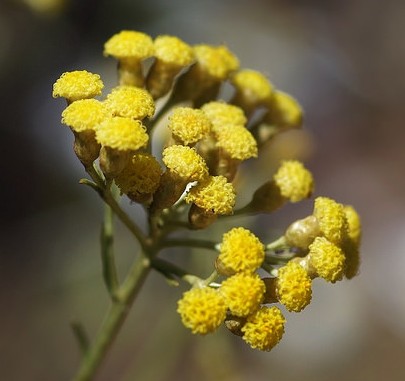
(343,60)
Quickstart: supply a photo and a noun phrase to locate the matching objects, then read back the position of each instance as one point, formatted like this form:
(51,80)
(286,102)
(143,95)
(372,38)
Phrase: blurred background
(343,60)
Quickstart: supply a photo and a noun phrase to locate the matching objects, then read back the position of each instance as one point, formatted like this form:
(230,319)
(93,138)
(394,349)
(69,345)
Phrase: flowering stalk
(191,184)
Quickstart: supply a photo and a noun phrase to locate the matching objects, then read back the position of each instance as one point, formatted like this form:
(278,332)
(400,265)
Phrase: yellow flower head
(353,222)
(293,287)
(173,51)
(122,134)
(141,176)
(217,61)
(294,180)
(331,219)
(79,84)
(254,85)
(237,141)
(185,162)
(241,250)
(327,259)
(284,111)
(264,329)
(130,102)
(243,293)
(129,44)
(202,310)
(84,114)
(189,125)
(214,195)
(351,244)
(223,114)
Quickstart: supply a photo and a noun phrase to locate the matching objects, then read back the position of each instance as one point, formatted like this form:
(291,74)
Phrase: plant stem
(114,318)
(107,252)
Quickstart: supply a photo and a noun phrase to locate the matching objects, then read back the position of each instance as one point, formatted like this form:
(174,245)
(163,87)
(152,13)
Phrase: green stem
(114,319)
(105,193)
(107,252)
(196,243)
(81,336)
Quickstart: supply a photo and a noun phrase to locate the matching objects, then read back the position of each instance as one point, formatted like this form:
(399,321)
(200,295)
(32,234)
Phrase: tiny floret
(122,134)
(171,50)
(79,84)
(327,259)
(237,141)
(84,114)
(141,176)
(294,180)
(129,44)
(214,195)
(185,162)
(218,61)
(293,287)
(130,102)
(264,329)
(243,293)
(202,310)
(331,219)
(254,85)
(284,111)
(241,250)
(353,222)
(189,125)
(223,114)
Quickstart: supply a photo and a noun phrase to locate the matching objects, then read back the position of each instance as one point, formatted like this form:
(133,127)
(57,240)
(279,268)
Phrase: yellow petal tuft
(264,329)
(214,195)
(189,125)
(79,84)
(293,287)
(85,114)
(171,50)
(130,102)
(241,250)
(294,180)
(129,44)
(202,310)
(327,259)
(185,162)
(122,134)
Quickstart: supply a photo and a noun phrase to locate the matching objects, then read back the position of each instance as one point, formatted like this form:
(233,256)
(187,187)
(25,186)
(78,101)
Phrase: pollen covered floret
(214,195)
(122,134)
(327,259)
(294,180)
(171,50)
(185,162)
(243,293)
(222,114)
(141,176)
(217,61)
(264,329)
(254,85)
(85,114)
(130,102)
(353,222)
(351,244)
(79,84)
(129,43)
(293,287)
(284,111)
(240,250)
(189,125)
(237,141)
(331,219)
(202,310)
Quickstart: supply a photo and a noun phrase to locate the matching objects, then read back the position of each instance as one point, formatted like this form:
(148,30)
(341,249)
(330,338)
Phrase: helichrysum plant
(188,184)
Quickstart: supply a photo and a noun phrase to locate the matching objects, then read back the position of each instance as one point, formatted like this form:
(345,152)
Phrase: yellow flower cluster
(181,161)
